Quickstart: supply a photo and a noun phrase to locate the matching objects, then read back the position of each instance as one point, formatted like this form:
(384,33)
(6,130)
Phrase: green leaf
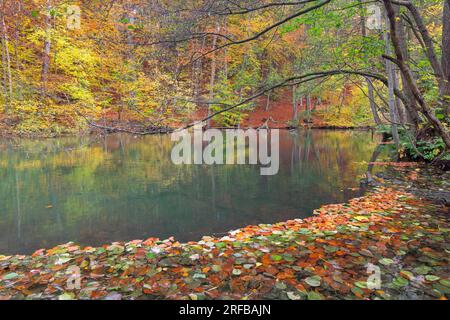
(66,296)
(276,257)
(422,270)
(313,295)
(445,282)
(432,278)
(386,261)
(288,257)
(150,256)
(293,296)
(400,282)
(314,281)
(10,276)
(221,245)
(361,284)
(280,285)
(216,268)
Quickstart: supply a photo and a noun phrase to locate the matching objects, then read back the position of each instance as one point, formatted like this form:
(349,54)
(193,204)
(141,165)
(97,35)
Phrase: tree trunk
(308,106)
(445,90)
(398,104)
(438,68)
(46,51)
(5,87)
(131,63)
(391,82)
(6,62)
(268,101)
(198,71)
(294,104)
(412,116)
(373,105)
(8,57)
(427,40)
(213,74)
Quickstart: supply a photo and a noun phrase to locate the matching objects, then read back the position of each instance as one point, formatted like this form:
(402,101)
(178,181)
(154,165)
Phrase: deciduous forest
(91,90)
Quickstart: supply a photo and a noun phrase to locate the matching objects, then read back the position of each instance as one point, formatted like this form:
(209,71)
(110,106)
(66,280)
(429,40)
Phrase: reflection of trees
(376,153)
(331,155)
(19,212)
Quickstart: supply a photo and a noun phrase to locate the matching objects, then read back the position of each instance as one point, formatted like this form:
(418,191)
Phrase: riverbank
(140,128)
(323,257)
(278,114)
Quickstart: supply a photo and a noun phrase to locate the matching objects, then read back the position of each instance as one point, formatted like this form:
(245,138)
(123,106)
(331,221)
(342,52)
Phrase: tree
(406,71)
(445,89)
(47,47)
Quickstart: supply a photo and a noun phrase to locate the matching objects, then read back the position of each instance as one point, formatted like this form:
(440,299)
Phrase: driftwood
(148,130)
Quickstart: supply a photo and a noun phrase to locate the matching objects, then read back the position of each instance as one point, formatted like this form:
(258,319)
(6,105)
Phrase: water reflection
(95,191)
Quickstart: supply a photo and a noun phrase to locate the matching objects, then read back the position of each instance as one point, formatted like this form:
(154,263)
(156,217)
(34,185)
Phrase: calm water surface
(98,190)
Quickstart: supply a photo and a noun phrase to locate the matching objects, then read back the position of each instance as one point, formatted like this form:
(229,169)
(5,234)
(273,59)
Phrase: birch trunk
(391,82)
(294,103)
(213,74)
(268,101)
(373,105)
(412,116)
(6,62)
(46,51)
(5,87)
(445,91)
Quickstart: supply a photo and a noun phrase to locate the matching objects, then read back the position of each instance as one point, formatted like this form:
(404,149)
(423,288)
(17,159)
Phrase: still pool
(118,188)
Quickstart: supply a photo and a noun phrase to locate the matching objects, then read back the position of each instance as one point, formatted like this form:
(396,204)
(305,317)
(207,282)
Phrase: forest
(91,91)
